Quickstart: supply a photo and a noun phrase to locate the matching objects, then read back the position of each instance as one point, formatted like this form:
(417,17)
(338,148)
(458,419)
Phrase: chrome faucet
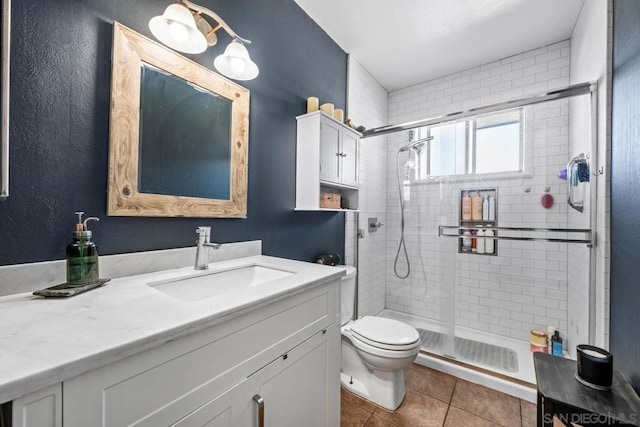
(202,254)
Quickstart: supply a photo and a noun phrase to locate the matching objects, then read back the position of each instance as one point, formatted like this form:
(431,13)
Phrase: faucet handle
(203,230)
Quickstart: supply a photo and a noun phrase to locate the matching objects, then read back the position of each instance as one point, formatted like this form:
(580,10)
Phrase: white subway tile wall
(367,106)
(526,285)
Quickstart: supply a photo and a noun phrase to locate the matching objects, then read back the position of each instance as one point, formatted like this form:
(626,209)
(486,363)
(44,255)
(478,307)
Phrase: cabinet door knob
(260,402)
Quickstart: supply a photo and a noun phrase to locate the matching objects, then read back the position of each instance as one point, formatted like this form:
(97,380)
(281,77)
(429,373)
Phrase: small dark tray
(64,290)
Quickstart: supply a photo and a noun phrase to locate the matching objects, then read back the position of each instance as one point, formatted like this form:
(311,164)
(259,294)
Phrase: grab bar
(574,177)
(587,233)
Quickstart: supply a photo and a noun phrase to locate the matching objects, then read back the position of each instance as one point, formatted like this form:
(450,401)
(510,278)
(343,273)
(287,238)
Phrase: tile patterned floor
(437,399)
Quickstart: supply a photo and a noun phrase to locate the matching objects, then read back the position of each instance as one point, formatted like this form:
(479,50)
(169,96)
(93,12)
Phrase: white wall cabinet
(327,159)
(287,352)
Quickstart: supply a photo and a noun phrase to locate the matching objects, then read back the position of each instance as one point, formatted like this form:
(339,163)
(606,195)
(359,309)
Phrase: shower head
(416,145)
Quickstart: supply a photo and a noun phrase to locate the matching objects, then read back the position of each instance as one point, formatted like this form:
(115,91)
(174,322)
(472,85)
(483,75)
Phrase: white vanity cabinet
(327,158)
(225,410)
(42,408)
(286,352)
(293,390)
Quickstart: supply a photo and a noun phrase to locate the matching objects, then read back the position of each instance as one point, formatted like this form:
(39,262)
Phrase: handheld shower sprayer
(417,147)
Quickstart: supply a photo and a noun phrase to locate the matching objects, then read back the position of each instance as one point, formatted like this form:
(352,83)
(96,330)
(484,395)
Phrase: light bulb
(237,64)
(178,31)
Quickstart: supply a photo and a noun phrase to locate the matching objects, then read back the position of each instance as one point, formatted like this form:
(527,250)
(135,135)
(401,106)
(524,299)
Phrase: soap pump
(82,255)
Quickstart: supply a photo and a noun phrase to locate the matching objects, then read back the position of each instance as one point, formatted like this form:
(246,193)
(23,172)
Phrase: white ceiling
(404,42)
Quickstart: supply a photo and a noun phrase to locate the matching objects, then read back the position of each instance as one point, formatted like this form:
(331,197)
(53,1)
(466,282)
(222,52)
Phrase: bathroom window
(488,144)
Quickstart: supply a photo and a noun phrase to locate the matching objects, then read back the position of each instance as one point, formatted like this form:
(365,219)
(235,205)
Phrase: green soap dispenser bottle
(82,256)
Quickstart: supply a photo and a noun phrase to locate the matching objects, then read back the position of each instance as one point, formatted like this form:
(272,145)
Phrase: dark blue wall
(60,89)
(625,191)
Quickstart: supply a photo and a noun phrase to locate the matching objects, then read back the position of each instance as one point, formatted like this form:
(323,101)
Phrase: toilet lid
(385,333)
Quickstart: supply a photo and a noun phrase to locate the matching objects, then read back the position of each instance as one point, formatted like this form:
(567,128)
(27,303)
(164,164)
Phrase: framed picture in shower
(5,68)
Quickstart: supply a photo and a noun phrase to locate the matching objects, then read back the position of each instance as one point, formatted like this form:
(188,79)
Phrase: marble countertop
(45,341)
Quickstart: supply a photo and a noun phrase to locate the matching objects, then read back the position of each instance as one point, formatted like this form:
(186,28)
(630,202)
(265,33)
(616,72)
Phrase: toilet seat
(383,352)
(385,334)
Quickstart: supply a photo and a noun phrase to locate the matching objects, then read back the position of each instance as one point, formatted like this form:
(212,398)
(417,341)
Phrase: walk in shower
(494,208)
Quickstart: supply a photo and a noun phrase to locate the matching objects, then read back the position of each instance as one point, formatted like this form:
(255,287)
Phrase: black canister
(595,367)
(328,259)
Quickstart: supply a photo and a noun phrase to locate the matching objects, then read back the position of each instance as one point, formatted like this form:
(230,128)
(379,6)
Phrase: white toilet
(375,351)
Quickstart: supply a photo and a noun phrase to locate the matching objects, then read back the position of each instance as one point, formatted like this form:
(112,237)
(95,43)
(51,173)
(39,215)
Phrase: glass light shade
(177,29)
(235,63)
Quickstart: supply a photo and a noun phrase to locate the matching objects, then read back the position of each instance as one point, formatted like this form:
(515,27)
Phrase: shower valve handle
(374,224)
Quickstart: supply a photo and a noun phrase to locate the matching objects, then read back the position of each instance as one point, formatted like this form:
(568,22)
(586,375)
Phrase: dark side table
(560,394)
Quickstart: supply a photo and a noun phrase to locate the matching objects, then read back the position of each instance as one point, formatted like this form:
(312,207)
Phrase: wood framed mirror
(5,18)
(178,137)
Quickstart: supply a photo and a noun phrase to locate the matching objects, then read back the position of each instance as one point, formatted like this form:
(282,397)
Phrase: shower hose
(402,247)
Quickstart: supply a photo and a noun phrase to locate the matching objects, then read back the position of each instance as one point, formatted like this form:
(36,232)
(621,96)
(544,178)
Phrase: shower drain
(476,352)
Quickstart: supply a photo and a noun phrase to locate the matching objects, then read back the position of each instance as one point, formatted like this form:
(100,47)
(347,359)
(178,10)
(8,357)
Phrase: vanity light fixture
(182,27)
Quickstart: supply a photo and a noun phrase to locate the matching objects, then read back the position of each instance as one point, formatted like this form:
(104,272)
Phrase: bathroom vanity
(179,347)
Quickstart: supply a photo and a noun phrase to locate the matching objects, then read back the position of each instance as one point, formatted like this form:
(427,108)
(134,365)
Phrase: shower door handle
(572,181)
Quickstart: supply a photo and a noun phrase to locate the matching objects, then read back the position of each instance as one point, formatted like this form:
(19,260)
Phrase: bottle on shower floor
(556,344)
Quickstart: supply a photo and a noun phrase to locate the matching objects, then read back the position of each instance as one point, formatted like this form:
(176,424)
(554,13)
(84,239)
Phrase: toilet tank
(347,293)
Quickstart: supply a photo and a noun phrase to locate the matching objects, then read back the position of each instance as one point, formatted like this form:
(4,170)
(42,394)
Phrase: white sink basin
(211,284)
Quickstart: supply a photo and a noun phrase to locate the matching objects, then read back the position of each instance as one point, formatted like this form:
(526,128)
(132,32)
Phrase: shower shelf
(486,218)
(527,234)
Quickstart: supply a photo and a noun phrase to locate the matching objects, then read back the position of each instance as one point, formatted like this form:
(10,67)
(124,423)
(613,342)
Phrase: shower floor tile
(438,399)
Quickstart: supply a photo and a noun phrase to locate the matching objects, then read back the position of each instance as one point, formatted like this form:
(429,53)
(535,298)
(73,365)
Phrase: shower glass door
(497,211)
(477,177)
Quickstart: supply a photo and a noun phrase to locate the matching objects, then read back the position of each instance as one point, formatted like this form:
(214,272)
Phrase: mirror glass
(178,136)
(185,138)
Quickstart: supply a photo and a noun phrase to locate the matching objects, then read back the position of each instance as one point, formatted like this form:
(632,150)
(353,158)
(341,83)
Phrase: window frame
(471,127)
